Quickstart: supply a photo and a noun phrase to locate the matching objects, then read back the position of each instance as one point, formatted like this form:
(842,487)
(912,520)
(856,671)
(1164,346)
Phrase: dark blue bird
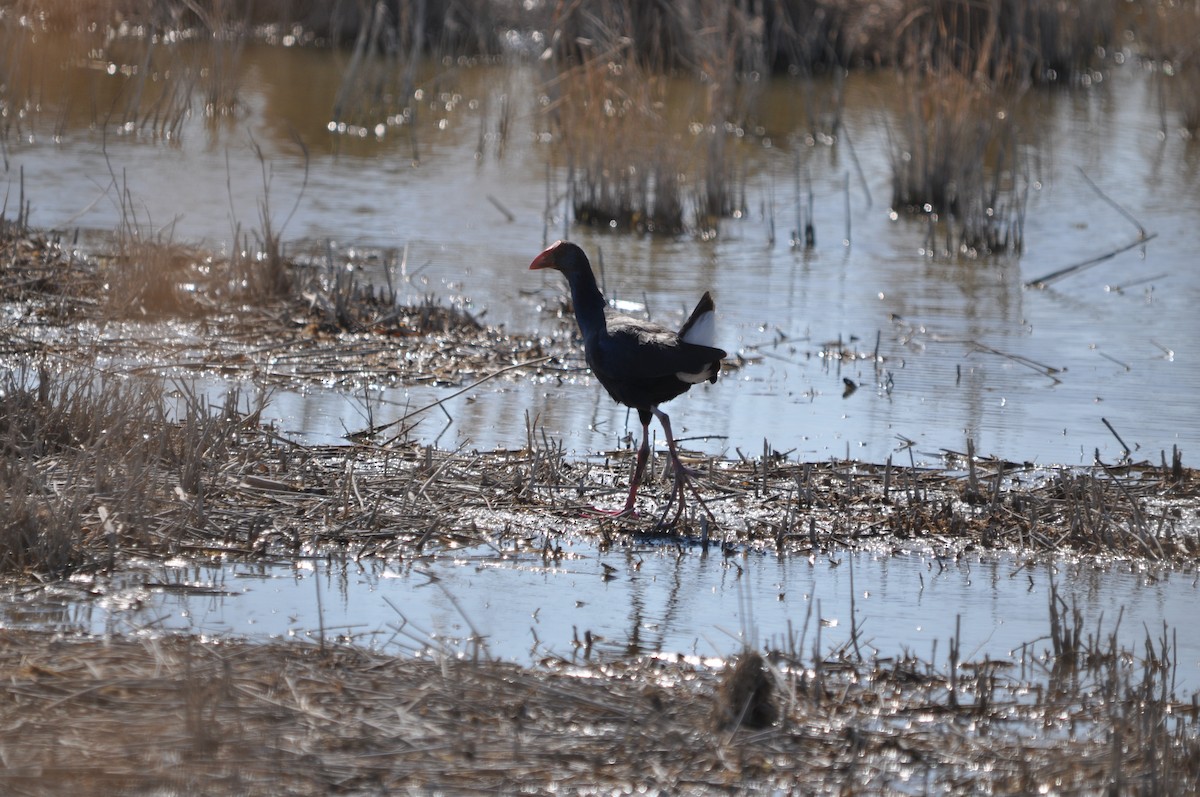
(640,364)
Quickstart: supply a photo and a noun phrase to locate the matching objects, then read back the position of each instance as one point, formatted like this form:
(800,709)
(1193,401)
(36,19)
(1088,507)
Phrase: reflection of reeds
(138,66)
(379,83)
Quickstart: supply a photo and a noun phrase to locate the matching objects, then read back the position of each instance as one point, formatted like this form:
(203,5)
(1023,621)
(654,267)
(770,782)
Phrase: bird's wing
(636,350)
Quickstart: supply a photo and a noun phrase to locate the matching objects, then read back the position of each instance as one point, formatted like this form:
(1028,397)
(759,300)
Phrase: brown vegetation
(1172,40)
(956,160)
(182,714)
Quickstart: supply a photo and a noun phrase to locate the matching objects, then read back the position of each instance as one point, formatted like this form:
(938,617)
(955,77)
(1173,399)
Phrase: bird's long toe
(626,512)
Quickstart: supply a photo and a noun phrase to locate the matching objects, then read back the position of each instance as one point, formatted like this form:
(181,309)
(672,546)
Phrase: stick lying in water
(1143,237)
(376,429)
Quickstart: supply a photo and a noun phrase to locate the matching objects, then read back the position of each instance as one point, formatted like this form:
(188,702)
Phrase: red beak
(544,260)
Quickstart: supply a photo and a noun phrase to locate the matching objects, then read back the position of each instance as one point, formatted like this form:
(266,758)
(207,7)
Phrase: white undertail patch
(697,378)
(702,333)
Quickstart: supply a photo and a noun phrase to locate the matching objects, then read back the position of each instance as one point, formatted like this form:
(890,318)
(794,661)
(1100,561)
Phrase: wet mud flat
(105,460)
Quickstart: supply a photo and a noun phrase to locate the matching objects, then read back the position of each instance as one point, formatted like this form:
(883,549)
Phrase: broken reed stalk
(1143,237)
(366,433)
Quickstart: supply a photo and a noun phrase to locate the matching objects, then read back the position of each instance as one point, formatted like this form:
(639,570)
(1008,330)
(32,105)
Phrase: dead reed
(1172,29)
(176,713)
(1008,42)
(797,37)
(634,162)
(638,185)
(956,161)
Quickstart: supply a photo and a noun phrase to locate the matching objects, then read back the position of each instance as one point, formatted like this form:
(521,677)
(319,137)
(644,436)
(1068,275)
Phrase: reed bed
(634,162)
(181,714)
(1009,41)
(636,188)
(1172,33)
(957,161)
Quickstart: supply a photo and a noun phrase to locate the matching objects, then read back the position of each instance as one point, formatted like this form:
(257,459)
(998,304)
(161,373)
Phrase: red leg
(630,508)
(643,453)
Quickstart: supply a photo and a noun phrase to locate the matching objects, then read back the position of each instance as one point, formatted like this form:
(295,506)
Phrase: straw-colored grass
(956,159)
(634,161)
(185,715)
(639,183)
(1173,43)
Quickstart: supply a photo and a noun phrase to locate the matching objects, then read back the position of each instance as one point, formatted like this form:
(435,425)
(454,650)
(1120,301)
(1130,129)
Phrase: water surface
(640,599)
(1120,336)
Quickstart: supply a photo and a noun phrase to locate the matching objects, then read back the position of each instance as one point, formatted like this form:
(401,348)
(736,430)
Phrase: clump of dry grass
(957,157)
(1008,41)
(637,184)
(956,160)
(1172,40)
(746,694)
(633,162)
(87,463)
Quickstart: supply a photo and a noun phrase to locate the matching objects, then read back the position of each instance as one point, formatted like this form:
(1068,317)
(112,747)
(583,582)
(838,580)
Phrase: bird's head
(563,256)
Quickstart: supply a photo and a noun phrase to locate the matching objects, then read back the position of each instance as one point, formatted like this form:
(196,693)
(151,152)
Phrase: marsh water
(965,351)
(642,599)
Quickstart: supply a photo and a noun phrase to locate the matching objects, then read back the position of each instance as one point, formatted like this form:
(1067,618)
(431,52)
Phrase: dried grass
(1172,40)
(1008,41)
(634,163)
(637,185)
(956,159)
(180,714)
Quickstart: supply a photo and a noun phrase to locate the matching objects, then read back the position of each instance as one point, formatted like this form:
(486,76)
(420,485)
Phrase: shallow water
(949,331)
(641,599)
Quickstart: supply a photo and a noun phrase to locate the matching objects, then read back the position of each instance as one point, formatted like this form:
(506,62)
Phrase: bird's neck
(589,304)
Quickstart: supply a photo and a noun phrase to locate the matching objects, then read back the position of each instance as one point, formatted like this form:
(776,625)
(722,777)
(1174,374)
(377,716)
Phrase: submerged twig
(1142,238)
(382,427)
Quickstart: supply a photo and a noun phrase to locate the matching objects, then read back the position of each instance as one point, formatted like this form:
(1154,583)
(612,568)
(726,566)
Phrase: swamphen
(640,364)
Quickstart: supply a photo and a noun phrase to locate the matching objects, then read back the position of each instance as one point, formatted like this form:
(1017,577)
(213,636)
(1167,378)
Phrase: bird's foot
(627,512)
(678,499)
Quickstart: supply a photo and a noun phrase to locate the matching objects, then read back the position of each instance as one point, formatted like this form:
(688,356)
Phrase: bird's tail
(701,326)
